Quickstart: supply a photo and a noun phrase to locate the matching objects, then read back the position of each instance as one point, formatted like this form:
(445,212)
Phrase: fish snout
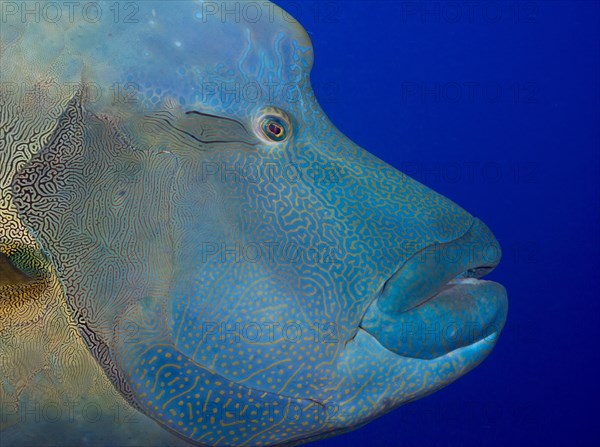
(436,302)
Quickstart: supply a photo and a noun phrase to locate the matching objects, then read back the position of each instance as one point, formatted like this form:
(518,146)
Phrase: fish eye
(274,125)
(274,128)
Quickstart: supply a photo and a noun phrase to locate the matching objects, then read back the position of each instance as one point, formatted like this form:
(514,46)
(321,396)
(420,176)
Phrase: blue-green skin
(138,209)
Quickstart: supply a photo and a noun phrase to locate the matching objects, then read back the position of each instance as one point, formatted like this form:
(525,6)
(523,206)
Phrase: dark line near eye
(208,142)
(208,115)
(160,123)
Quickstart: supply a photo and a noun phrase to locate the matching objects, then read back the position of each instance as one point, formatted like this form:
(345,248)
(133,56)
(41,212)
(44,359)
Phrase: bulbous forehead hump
(170,47)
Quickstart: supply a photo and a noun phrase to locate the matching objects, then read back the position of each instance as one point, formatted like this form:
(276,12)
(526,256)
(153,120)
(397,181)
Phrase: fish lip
(450,293)
(473,255)
(491,324)
(414,334)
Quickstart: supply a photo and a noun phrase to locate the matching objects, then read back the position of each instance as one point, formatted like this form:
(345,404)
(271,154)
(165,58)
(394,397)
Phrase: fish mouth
(436,301)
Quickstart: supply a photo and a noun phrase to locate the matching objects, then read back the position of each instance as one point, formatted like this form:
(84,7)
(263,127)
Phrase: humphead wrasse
(192,253)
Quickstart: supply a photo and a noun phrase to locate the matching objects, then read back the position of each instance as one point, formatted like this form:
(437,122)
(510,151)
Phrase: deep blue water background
(498,108)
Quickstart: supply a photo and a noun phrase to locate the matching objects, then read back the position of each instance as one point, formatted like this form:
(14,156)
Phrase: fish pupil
(275,129)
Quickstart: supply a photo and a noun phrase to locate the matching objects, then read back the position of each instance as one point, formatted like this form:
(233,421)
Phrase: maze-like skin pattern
(147,208)
(52,390)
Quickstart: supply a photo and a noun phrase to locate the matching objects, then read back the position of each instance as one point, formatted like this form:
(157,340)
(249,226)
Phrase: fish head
(242,270)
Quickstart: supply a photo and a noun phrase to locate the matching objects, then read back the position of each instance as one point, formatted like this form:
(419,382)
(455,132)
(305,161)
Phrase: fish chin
(398,379)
